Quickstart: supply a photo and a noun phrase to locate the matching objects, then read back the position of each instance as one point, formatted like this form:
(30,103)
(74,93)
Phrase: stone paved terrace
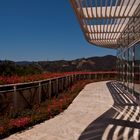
(102,110)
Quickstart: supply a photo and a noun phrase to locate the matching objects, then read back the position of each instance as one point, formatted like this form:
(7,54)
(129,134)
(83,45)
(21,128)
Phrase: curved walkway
(100,111)
(92,101)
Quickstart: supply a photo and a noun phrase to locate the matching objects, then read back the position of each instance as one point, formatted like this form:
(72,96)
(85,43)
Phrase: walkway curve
(94,100)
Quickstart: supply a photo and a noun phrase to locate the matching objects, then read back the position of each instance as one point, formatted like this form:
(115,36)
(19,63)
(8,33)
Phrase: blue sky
(42,30)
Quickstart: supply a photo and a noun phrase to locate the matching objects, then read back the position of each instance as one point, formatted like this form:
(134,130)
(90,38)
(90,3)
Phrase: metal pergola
(109,23)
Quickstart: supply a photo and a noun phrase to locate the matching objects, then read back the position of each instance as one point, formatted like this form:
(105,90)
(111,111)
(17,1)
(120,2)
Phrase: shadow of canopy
(121,121)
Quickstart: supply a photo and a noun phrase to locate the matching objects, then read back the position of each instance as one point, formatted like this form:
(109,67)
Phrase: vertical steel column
(15,100)
(39,92)
(95,76)
(57,86)
(50,89)
(133,58)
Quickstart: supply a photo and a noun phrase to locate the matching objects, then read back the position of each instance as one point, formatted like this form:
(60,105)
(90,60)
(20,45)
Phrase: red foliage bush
(19,122)
(1,129)
(36,77)
(45,110)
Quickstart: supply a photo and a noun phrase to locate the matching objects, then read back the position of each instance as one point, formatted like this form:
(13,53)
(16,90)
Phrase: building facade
(114,24)
(128,65)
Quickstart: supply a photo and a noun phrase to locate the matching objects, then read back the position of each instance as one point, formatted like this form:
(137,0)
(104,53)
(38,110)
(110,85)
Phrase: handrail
(20,95)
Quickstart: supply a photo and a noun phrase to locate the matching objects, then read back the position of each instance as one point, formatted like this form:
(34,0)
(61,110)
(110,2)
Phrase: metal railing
(14,97)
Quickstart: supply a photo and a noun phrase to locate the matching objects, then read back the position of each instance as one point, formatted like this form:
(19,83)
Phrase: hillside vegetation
(23,68)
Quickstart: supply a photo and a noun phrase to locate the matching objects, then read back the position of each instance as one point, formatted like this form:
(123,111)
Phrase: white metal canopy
(109,23)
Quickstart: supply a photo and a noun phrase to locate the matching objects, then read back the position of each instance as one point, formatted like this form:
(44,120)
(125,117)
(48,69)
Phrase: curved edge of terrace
(71,123)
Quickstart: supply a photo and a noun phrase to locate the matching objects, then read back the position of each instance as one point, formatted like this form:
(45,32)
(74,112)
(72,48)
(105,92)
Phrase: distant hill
(23,63)
(105,63)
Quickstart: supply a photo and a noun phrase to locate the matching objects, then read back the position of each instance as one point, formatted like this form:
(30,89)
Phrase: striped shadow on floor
(121,121)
